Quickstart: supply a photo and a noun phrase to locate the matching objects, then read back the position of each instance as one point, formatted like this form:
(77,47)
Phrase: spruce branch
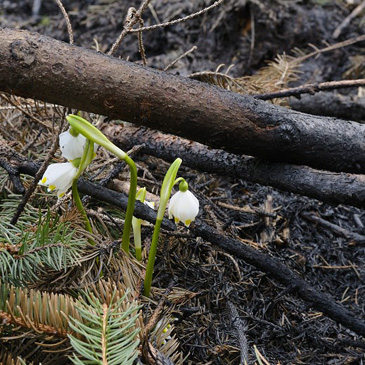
(40,312)
(111,334)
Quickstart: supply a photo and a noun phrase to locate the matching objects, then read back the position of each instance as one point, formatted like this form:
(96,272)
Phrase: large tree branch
(330,187)
(42,68)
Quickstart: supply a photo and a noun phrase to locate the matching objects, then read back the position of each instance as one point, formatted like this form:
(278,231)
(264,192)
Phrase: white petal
(72,147)
(59,177)
(184,206)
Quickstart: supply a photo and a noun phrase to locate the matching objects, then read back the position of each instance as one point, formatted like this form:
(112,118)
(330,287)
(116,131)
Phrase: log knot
(23,52)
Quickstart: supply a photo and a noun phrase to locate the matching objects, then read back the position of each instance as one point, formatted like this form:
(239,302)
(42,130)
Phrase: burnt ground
(284,328)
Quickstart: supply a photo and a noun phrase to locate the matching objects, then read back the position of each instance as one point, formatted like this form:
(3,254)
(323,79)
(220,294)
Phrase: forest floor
(215,285)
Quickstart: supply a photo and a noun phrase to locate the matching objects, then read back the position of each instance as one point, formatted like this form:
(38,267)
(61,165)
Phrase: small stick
(67,19)
(348,19)
(192,49)
(240,327)
(311,89)
(180,20)
(129,24)
(354,237)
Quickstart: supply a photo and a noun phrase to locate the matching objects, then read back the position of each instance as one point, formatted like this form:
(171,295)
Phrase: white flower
(184,206)
(59,177)
(72,147)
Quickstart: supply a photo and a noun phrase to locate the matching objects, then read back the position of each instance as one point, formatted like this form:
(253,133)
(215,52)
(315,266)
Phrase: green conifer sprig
(111,334)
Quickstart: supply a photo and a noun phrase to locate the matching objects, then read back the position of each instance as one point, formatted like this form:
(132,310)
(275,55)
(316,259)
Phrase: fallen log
(330,187)
(42,68)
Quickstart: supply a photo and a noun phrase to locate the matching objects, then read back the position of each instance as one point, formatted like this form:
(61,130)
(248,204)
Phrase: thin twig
(31,116)
(241,328)
(132,19)
(180,20)
(346,43)
(192,49)
(140,44)
(311,89)
(348,19)
(67,19)
(353,237)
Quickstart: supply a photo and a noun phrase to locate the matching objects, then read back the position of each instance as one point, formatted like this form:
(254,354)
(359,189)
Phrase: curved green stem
(151,259)
(80,207)
(167,185)
(131,201)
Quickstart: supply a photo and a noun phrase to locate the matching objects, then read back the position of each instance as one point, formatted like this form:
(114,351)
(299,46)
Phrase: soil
(284,328)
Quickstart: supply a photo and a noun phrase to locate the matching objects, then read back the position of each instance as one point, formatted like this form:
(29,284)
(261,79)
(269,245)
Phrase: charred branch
(42,68)
(331,105)
(326,186)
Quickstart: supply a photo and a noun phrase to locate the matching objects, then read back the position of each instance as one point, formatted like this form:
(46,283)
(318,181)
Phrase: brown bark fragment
(39,67)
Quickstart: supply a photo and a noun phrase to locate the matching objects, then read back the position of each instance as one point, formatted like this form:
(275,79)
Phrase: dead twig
(67,19)
(348,20)
(311,89)
(192,49)
(353,237)
(323,185)
(180,20)
(132,18)
(240,327)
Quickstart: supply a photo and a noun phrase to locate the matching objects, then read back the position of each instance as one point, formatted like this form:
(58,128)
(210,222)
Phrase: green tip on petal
(76,162)
(183,186)
(73,132)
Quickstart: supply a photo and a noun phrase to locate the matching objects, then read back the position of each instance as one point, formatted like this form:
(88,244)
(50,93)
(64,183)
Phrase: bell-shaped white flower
(72,147)
(59,177)
(184,206)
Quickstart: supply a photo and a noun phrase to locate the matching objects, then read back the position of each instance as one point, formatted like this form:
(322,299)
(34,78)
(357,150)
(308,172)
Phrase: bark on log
(42,68)
(331,105)
(330,187)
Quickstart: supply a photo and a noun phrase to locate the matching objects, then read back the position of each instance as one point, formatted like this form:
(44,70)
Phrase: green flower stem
(91,133)
(131,201)
(151,259)
(80,207)
(167,185)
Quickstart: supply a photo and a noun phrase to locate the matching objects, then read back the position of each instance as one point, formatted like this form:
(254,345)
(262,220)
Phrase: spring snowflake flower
(59,177)
(184,206)
(72,146)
